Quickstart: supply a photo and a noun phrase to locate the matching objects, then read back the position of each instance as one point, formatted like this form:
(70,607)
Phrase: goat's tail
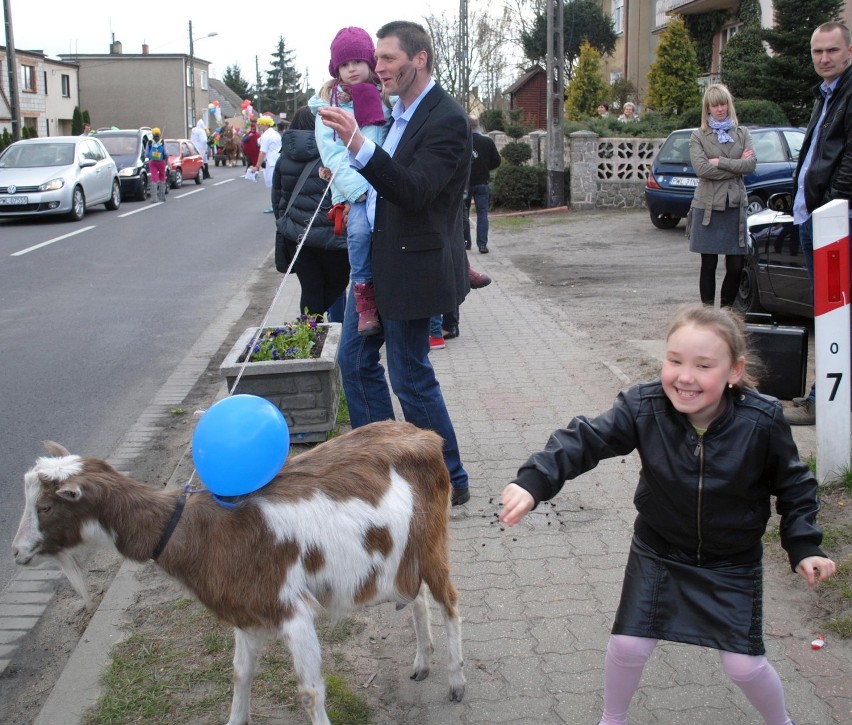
(72,570)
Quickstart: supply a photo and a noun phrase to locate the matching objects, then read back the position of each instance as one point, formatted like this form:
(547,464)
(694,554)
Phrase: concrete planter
(307,392)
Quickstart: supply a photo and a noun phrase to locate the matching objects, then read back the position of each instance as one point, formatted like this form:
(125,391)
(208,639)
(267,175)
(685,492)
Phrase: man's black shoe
(460,496)
(483,250)
(452,332)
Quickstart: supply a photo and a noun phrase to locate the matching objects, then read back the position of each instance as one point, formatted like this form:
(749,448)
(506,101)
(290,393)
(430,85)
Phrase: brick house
(529,93)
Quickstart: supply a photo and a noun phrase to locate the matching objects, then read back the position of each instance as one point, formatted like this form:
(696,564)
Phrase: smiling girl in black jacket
(713,452)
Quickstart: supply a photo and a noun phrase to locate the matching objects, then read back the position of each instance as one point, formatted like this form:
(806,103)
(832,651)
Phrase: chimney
(115,48)
(144,49)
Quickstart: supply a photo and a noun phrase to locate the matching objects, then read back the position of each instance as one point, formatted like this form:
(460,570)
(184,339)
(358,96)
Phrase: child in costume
(714,451)
(354,88)
(158,159)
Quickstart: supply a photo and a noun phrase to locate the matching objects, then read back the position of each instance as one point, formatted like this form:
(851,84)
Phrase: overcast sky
(245,30)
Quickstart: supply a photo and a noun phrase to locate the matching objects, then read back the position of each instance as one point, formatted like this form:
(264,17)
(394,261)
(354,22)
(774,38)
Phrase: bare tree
(488,59)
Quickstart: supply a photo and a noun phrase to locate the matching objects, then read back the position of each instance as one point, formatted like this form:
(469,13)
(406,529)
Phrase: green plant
(587,88)
(519,187)
(673,78)
(297,340)
(492,120)
(516,154)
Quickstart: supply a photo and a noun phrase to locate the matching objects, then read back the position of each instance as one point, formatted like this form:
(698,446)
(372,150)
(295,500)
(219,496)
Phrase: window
(618,16)
(66,85)
(204,80)
(189,77)
(28,82)
(727,34)
(44,81)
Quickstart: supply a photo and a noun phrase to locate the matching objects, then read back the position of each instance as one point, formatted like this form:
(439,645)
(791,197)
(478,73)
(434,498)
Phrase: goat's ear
(54,449)
(70,492)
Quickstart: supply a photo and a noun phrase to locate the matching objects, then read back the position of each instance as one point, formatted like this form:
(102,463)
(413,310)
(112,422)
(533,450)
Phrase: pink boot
(365,306)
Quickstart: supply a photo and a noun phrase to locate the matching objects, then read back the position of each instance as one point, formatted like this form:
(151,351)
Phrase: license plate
(13,200)
(684,181)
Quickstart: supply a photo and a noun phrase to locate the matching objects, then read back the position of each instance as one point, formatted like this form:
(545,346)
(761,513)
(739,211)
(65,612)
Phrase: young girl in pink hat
(354,87)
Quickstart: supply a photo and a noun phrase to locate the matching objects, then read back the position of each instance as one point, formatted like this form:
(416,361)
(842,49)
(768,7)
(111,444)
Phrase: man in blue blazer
(415,205)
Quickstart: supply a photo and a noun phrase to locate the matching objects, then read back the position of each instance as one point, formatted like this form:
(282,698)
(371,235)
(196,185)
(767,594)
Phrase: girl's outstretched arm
(815,568)
(517,503)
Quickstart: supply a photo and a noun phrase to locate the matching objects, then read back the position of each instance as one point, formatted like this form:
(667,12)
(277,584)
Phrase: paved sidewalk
(537,601)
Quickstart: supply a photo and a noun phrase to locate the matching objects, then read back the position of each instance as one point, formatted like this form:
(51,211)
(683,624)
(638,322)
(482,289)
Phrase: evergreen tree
(282,80)
(790,40)
(86,118)
(76,122)
(583,20)
(233,78)
(673,78)
(745,65)
(587,88)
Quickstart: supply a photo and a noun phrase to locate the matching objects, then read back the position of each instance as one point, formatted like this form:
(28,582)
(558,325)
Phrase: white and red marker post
(832,343)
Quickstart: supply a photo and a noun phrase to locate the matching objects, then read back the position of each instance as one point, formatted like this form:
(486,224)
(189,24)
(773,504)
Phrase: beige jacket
(720,186)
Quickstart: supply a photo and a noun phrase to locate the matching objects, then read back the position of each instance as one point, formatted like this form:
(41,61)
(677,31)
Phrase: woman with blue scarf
(721,153)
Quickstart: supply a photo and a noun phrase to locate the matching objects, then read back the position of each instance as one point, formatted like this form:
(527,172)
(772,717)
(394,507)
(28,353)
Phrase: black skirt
(669,598)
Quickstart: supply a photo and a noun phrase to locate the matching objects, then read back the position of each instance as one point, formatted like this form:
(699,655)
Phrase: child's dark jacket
(704,496)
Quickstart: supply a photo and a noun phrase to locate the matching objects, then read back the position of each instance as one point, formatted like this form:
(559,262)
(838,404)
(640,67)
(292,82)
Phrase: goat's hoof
(457,693)
(419,675)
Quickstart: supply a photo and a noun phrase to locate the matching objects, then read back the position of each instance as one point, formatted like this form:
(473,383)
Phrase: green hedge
(519,187)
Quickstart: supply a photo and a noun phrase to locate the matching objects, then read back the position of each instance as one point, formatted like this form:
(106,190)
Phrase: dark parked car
(128,147)
(775,278)
(672,181)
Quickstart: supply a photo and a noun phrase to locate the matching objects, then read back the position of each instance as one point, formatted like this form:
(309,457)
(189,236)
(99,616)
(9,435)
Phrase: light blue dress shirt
(400,117)
(800,208)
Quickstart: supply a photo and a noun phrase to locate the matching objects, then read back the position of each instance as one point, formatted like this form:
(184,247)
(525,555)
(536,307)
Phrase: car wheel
(199,177)
(754,204)
(78,205)
(664,221)
(748,295)
(115,198)
(143,191)
(177,179)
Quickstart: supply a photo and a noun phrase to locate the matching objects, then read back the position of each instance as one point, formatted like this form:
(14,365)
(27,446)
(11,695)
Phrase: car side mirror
(88,163)
(782,202)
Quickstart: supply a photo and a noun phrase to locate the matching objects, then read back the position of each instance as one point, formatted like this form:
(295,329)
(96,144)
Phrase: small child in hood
(354,87)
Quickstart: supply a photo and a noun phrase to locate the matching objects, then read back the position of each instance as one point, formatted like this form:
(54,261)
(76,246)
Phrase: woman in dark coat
(322,266)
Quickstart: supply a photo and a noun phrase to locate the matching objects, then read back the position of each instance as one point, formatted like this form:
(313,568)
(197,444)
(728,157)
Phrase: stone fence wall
(601,172)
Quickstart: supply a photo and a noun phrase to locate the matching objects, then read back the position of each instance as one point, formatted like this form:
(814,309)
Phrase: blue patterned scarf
(721,128)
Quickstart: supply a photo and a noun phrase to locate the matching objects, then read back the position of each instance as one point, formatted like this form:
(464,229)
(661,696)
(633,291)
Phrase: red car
(184,162)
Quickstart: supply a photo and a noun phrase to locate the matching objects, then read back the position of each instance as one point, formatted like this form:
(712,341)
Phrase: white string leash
(302,237)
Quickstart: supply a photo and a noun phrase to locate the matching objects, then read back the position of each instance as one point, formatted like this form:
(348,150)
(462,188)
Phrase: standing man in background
(485,159)
(824,171)
(414,205)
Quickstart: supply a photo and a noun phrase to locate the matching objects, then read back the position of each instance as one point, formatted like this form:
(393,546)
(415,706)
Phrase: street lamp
(192,69)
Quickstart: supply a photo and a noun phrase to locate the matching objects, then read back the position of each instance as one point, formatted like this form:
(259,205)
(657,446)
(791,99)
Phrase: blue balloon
(240,444)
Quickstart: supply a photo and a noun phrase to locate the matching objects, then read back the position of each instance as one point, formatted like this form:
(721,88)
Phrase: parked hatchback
(775,278)
(672,181)
(57,175)
(128,147)
(184,162)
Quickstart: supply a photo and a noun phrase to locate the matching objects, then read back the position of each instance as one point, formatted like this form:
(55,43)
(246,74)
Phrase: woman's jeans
(358,241)
(411,377)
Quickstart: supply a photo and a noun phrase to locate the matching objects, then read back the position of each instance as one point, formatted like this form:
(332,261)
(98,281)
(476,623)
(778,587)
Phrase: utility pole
(464,56)
(191,78)
(12,66)
(555,105)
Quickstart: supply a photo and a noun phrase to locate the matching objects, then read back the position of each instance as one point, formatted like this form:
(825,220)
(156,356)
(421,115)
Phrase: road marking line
(147,206)
(51,241)
(189,193)
(226,181)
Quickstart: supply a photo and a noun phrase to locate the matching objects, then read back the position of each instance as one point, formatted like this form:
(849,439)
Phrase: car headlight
(130,171)
(52,185)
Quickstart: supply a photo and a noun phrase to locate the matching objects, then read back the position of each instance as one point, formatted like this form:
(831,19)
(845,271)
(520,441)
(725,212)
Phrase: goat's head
(50,524)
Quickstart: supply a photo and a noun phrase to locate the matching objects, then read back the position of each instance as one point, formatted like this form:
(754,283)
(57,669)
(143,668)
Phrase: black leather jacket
(705,497)
(830,173)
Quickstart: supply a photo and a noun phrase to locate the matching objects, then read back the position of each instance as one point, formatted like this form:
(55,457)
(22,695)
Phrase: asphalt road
(95,316)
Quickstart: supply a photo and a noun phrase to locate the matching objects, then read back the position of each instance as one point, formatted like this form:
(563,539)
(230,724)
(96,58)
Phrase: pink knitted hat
(351,44)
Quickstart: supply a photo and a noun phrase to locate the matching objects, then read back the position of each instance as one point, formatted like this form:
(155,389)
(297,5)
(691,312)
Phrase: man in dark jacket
(484,160)
(824,171)
(417,180)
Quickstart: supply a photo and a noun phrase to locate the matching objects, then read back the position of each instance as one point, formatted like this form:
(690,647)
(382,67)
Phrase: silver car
(57,175)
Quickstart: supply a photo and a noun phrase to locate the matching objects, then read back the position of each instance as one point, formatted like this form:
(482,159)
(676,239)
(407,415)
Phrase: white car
(57,175)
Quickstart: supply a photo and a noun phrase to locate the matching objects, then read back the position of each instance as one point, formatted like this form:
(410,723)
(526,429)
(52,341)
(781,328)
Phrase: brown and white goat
(359,520)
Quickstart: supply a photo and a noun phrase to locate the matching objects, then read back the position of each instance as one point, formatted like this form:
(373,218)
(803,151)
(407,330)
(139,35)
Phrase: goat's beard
(74,573)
